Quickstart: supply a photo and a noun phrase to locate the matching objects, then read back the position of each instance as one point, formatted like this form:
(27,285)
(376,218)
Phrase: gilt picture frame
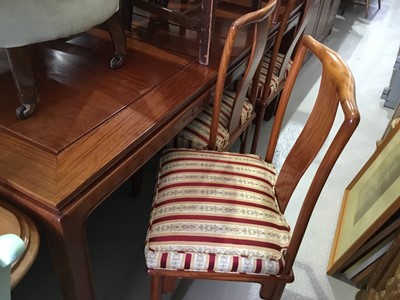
(370,200)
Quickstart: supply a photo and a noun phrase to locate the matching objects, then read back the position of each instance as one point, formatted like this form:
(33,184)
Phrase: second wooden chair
(228,116)
(276,63)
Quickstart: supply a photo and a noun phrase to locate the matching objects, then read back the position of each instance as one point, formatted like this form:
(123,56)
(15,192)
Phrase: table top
(90,117)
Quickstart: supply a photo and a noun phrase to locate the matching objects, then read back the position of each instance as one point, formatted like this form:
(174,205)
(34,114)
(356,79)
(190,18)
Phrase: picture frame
(370,207)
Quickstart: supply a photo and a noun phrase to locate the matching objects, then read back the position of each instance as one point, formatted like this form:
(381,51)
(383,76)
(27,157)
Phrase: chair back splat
(276,62)
(337,86)
(220,215)
(230,113)
(262,21)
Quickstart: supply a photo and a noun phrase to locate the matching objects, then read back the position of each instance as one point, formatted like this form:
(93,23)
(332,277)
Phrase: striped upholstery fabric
(216,212)
(275,76)
(278,63)
(196,134)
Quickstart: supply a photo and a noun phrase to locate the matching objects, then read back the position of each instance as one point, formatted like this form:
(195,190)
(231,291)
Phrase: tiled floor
(116,230)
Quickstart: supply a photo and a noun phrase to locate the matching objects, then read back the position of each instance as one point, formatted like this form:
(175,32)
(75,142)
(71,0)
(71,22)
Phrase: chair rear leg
(243,140)
(278,291)
(259,122)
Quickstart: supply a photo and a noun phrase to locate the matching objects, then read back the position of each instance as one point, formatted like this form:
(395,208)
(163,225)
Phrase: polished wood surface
(19,59)
(15,222)
(95,127)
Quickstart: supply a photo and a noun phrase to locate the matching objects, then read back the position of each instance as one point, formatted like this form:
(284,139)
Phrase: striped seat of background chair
(196,134)
(216,212)
(275,75)
(278,63)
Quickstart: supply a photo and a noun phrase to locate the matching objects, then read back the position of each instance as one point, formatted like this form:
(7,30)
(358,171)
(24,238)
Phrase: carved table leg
(20,64)
(68,246)
(118,36)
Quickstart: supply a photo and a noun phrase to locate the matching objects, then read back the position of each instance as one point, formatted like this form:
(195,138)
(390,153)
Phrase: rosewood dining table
(93,129)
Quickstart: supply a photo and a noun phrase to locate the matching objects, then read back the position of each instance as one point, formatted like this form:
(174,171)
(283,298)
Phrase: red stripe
(188,259)
(195,133)
(209,114)
(235,264)
(214,240)
(220,219)
(209,126)
(258,266)
(215,200)
(211,262)
(226,106)
(218,160)
(163,262)
(214,185)
(185,170)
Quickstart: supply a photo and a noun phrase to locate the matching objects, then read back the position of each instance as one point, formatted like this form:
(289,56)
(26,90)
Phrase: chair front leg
(169,284)
(156,287)
(271,290)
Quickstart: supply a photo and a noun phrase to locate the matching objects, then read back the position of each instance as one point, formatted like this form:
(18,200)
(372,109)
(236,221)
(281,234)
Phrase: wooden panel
(323,13)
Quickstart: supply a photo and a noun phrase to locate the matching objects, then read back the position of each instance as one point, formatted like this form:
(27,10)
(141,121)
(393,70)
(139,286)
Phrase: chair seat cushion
(274,84)
(216,212)
(28,22)
(278,63)
(196,134)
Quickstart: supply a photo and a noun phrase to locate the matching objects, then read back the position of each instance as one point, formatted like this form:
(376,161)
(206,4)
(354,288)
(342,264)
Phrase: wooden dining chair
(230,113)
(220,215)
(277,61)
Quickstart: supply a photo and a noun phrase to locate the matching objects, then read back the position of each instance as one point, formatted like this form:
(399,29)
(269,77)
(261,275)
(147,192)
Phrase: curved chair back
(261,20)
(277,70)
(337,87)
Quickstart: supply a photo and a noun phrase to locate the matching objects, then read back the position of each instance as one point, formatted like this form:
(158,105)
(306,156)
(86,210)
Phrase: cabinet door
(332,15)
(322,19)
(312,23)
